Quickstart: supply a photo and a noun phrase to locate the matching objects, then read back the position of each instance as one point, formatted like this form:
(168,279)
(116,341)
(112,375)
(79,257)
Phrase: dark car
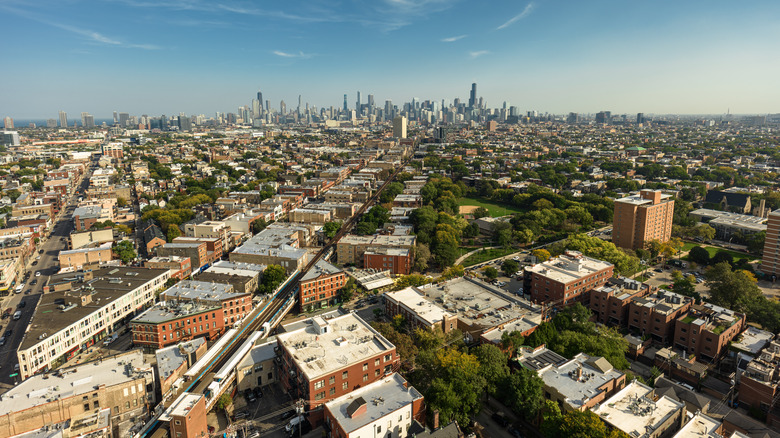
(35,262)
(288,414)
(258,392)
(34,282)
(658,270)
(22,303)
(514,432)
(250,398)
(500,419)
(8,333)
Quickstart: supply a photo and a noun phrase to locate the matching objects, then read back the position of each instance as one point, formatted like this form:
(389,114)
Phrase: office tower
(473,96)
(573,118)
(116,118)
(770,264)
(88,120)
(283,108)
(267,106)
(63,119)
(84,118)
(371,105)
(124,118)
(399,127)
(642,218)
(9,138)
(255,108)
(358,103)
(185,124)
(640,118)
(298,110)
(388,110)
(163,122)
(8,123)
(51,123)
(346,108)
(260,99)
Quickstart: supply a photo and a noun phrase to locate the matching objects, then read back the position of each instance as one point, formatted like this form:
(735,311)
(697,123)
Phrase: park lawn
(495,210)
(487,254)
(712,250)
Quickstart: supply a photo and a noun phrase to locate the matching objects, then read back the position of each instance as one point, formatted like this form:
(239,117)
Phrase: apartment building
(351,248)
(770,263)
(214,248)
(172,322)
(121,387)
(610,302)
(399,261)
(195,251)
(640,413)
(210,229)
(78,259)
(187,416)
(325,359)
(235,304)
(320,286)
(180,267)
(566,279)
(417,311)
(174,361)
(707,330)
(78,310)
(641,218)
(655,315)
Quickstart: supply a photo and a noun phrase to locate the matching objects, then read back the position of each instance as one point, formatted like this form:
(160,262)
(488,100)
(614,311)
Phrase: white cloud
(526,12)
(453,39)
(291,55)
(478,53)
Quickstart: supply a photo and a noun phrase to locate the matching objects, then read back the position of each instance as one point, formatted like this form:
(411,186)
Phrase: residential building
(639,413)
(417,311)
(210,229)
(351,248)
(258,367)
(186,416)
(759,385)
(89,238)
(85,217)
(235,304)
(214,248)
(172,322)
(641,218)
(320,286)
(123,384)
(770,264)
(566,279)
(180,267)
(399,261)
(326,359)
(9,269)
(174,361)
(707,330)
(610,303)
(578,384)
(384,408)
(78,310)
(701,426)
(83,258)
(196,252)
(655,315)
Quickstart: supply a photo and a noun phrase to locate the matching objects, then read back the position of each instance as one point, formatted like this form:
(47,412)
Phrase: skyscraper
(116,118)
(388,110)
(346,108)
(260,99)
(8,123)
(299,105)
(357,104)
(399,127)
(256,111)
(770,264)
(63,119)
(283,108)
(473,96)
(124,118)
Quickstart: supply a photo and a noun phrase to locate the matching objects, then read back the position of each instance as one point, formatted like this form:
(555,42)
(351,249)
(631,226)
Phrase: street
(47,265)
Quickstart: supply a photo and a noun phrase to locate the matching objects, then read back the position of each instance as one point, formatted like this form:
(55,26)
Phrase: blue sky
(201,56)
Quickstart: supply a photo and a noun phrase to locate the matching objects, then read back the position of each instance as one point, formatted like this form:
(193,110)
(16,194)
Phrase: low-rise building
(326,359)
(124,384)
(85,217)
(173,361)
(701,426)
(258,367)
(578,384)
(351,248)
(384,408)
(86,257)
(759,385)
(172,322)
(417,311)
(707,330)
(399,261)
(636,411)
(235,304)
(655,315)
(195,251)
(78,310)
(186,416)
(566,279)
(610,303)
(320,285)
(90,238)
(180,267)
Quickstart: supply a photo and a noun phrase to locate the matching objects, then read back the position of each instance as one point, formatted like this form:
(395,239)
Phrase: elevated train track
(270,310)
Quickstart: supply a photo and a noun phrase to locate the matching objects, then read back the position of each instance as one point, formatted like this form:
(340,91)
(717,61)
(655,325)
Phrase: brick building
(320,286)
(759,385)
(641,218)
(566,279)
(707,330)
(186,416)
(326,359)
(180,267)
(399,261)
(655,315)
(351,248)
(770,264)
(196,252)
(610,303)
(417,311)
(235,304)
(169,323)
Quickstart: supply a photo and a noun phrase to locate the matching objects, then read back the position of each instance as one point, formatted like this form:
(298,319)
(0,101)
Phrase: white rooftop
(577,388)
(181,406)
(631,411)
(700,426)
(324,346)
(569,267)
(416,303)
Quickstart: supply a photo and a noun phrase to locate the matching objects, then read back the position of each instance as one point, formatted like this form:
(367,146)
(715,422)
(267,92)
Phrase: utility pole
(299,411)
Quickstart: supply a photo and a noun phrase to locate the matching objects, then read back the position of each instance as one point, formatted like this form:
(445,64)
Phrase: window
(332,380)
(388,357)
(332,390)
(365,377)
(319,384)
(376,362)
(320,396)
(378,429)
(344,386)
(345,375)
(127,405)
(86,407)
(95,404)
(376,372)
(365,367)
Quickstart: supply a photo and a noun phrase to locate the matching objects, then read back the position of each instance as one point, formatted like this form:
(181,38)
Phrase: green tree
(541,254)
(273,276)
(347,292)
(512,341)
(121,202)
(422,254)
(723,256)
(258,225)
(445,248)
(456,388)
(125,251)
(391,191)
(523,392)
(490,272)
(480,212)
(223,401)
(755,243)
(509,267)
(699,255)
(731,289)
(173,232)
(492,366)
(331,228)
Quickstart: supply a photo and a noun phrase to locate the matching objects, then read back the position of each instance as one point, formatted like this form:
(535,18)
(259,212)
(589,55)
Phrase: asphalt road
(47,265)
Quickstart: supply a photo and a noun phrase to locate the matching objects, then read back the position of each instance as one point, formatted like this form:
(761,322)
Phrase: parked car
(287,415)
(514,432)
(499,418)
(34,282)
(37,274)
(258,392)
(22,303)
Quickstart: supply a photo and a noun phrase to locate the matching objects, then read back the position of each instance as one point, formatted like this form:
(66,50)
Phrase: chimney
(435,420)
(579,372)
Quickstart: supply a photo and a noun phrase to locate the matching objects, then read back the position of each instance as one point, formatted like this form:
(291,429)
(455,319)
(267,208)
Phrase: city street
(47,265)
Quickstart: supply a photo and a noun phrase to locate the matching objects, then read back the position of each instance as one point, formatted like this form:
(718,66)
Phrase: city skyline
(203,57)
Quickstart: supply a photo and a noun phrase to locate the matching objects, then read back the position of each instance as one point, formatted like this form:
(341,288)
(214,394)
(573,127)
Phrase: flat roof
(108,284)
(172,310)
(637,199)
(170,358)
(260,353)
(41,389)
(200,290)
(633,412)
(569,267)
(380,398)
(700,426)
(181,406)
(752,340)
(417,304)
(596,371)
(348,340)
(320,268)
(371,280)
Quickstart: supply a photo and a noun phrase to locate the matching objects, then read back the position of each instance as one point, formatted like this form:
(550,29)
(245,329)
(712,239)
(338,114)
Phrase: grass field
(488,254)
(712,250)
(494,209)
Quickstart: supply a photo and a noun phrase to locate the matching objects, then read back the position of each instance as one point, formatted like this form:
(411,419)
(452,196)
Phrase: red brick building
(610,303)
(566,279)
(186,416)
(173,322)
(654,316)
(214,248)
(181,267)
(320,286)
(759,385)
(326,359)
(399,261)
(707,330)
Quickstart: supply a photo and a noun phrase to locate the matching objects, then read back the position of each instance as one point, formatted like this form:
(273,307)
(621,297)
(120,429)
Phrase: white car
(38,274)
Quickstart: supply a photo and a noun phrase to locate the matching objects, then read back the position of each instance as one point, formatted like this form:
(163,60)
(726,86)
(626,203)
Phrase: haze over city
(200,57)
